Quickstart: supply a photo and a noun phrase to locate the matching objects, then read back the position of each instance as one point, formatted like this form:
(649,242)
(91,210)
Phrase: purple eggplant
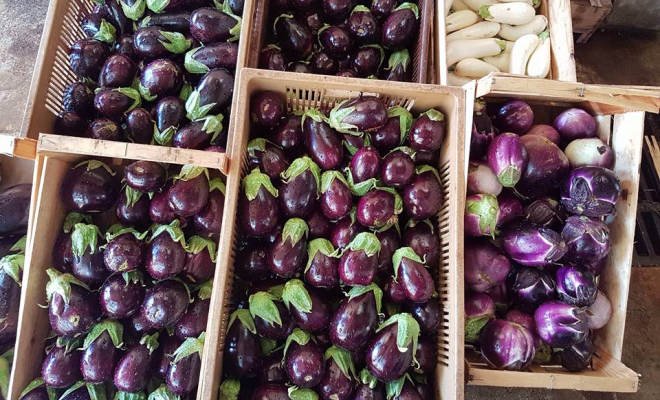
(481,215)
(530,287)
(507,346)
(321,63)
(243,354)
(96,27)
(591,191)
(258,208)
(546,169)
(10,295)
(361,114)
(37,390)
(79,98)
(86,58)
(321,270)
(308,309)
(533,245)
(337,9)
(134,368)
(303,360)
(90,187)
(587,239)
(300,187)
(546,131)
(104,129)
(364,167)
(363,26)
(271,368)
(139,126)
(266,108)
(196,135)
(72,308)
(267,157)
(165,303)
(399,67)
(411,273)
(159,209)
(544,211)
(356,318)
(382,8)
(160,78)
(428,131)
(397,168)
(201,256)
(183,374)
(389,242)
(368,388)
(337,382)
(177,21)
(428,315)
(193,322)
(366,60)
(164,354)
(322,141)
(61,367)
(426,355)
(87,262)
(117,71)
(210,25)
(421,237)
(288,135)
(578,357)
(152,43)
(392,349)
(514,116)
(166,255)
(287,255)
(271,318)
(479,310)
(133,208)
(394,291)
(345,231)
(190,191)
(422,197)
(145,176)
(212,94)
(575,123)
(201,60)
(124,46)
(485,265)
(507,158)
(336,197)
(378,208)
(335,41)
(576,286)
(271,391)
(561,325)
(252,263)
(101,351)
(509,209)
(400,27)
(294,38)
(393,133)
(122,294)
(271,57)
(70,124)
(359,262)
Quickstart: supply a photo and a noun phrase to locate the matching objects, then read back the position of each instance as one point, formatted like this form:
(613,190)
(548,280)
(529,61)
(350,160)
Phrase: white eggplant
(458,50)
(456,80)
(448,4)
(501,61)
(480,30)
(513,32)
(475,5)
(539,62)
(533,3)
(458,5)
(474,68)
(518,13)
(522,50)
(509,46)
(460,20)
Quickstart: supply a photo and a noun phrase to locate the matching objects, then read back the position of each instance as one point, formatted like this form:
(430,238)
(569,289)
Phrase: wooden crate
(52,72)
(587,16)
(301,94)
(622,126)
(562,63)
(54,159)
(259,29)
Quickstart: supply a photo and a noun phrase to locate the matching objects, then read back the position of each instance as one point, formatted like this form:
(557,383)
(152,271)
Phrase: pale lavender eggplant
(589,152)
(575,123)
(507,346)
(546,131)
(479,310)
(533,245)
(485,265)
(481,179)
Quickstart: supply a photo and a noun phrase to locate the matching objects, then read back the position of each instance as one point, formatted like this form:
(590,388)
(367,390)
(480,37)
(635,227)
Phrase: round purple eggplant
(547,167)
(90,187)
(382,8)
(165,304)
(96,27)
(243,355)
(271,369)
(72,308)
(134,368)
(10,295)
(121,295)
(336,41)
(321,63)
(390,354)
(258,207)
(117,71)
(200,260)
(288,135)
(411,273)
(359,262)
(210,25)
(267,157)
(271,391)
(166,254)
(193,322)
(212,94)
(189,192)
(365,164)
(366,60)
(345,231)
(300,187)
(361,114)
(271,318)
(420,236)
(397,168)
(86,58)
(529,287)
(197,135)
(336,197)
(101,351)
(303,360)
(399,67)
(170,113)
(356,318)
(139,126)
(394,291)
(378,208)
(183,374)
(164,354)
(61,367)
(201,60)
(272,58)
(252,264)
(422,198)
(114,103)
(124,46)
(363,26)
(145,176)
(337,382)
(393,133)
(321,270)
(322,141)
(287,255)
(428,131)
(308,309)
(428,315)
(266,108)
(78,98)
(294,38)
(337,9)
(591,191)
(15,201)
(70,124)
(133,208)
(104,129)
(400,28)
(159,210)
(319,226)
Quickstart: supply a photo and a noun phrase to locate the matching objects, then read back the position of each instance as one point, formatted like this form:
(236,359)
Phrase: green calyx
(427,168)
(229,389)
(367,242)
(337,116)
(278,18)
(361,188)
(509,176)
(204,290)
(324,246)
(407,331)
(150,341)
(189,347)
(367,379)
(95,392)
(268,345)
(13,265)
(217,184)
(197,244)
(484,11)
(185,92)
(134,12)
(343,360)
(85,236)
(404,252)
(213,126)
(157,6)
(296,393)
(91,165)
(256,179)
(360,290)
(132,94)
(401,57)
(262,305)
(146,93)
(501,43)
(163,393)
(132,196)
(74,218)
(195,110)
(360,8)
(235,31)
(244,317)
(315,114)
(193,66)
(544,35)
(300,165)
(257,145)
(295,294)
(485,207)
(411,6)
(173,229)
(434,115)
(133,277)
(543,354)
(405,120)
(298,336)
(189,172)
(114,329)
(4,377)
(106,33)
(393,389)
(328,177)
(61,284)
(473,327)
(117,230)
(165,137)
(294,229)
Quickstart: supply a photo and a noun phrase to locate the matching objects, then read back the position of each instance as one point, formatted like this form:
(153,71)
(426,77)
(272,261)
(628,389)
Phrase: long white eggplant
(458,50)
(456,80)
(480,30)
(518,13)
(448,4)
(539,62)
(475,5)
(533,3)
(473,68)
(460,20)
(500,61)
(458,5)
(513,32)
(522,50)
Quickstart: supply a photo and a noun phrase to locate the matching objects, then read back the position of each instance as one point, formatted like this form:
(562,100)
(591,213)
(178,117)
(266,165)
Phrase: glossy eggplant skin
(321,63)
(170,112)
(364,27)
(288,135)
(323,143)
(159,211)
(75,318)
(258,217)
(161,77)
(124,46)
(382,8)
(210,25)
(364,392)
(217,86)
(397,169)
(104,129)
(389,242)
(70,124)
(252,263)
(61,369)
(145,176)
(193,322)
(192,136)
(177,21)
(426,355)
(10,298)
(199,268)
(272,58)
(120,299)
(88,192)
(208,221)
(134,369)
(383,359)
(243,354)
(183,376)
(275,332)
(415,280)
(98,361)
(139,126)
(304,364)
(271,368)
(365,164)
(266,108)
(322,272)
(298,196)
(428,315)
(285,259)
(137,214)
(165,258)
(422,239)
(376,209)
(62,255)
(334,385)
(87,56)
(356,268)
(117,71)
(344,232)
(218,55)
(295,39)
(367,61)
(271,391)
(89,267)
(148,44)
(399,29)
(354,322)
(336,41)
(164,354)
(315,320)
(336,201)
(164,304)
(187,197)
(272,161)
(38,393)
(78,98)
(422,198)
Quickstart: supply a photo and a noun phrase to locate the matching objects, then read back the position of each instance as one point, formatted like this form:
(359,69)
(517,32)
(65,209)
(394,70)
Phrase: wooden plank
(14,146)
(561,41)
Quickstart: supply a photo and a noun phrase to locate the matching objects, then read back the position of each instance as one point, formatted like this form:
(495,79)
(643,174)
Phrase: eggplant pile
(128,304)
(539,200)
(154,72)
(337,254)
(358,39)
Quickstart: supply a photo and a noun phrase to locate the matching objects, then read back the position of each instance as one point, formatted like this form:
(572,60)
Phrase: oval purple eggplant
(217,55)
(90,187)
(164,354)
(101,352)
(365,164)
(321,270)
(145,176)
(243,354)
(422,198)
(132,211)
(345,231)
(411,273)
(322,141)
(359,262)
(271,318)
(258,206)
(288,254)
(216,87)
(336,197)
(429,315)
(267,157)
(208,221)
(165,256)
(252,263)
(319,226)
(210,25)
(134,368)
(159,210)
(356,318)
(397,168)
(190,191)
(400,27)
(117,71)
(294,38)
(183,375)
(321,63)
(363,26)
(337,382)
(79,98)
(72,309)
(303,360)
(139,126)
(121,295)
(300,188)
(86,58)
(422,238)
(378,208)
(271,391)
(165,303)
(308,309)
(271,58)
(428,131)
(288,135)
(61,367)
(361,114)
(266,108)
(193,322)
(271,369)
(385,358)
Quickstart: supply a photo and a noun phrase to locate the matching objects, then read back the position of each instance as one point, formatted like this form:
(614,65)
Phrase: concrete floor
(610,57)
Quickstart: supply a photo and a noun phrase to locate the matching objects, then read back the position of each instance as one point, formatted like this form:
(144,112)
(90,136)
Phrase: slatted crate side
(325,92)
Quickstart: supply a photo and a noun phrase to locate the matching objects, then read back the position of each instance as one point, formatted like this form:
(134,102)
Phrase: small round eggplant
(363,25)
(271,369)
(272,58)
(400,27)
(159,210)
(160,77)
(321,270)
(134,368)
(145,176)
(420,236)
(212,94)
(170,113)
(294,38)
(366,60)
(428,315)
(271,318)
(428,131)
(10,295)
(378,208)
(72,308)
(86,58)
(165,303)
(70,124)
(399,67)
(258,208)
(243,354)
(252,264)
(422,198)
(193,322)
(361,114)
(104,129)
(397,168)
(14,213)
(289,136)
(139,126)
(287,255)
(336,41)
(359,262)
(266,108)
(337,9)
(390,354)
(114,103)
(356,318)
(218,55)
(322,141)
(190,191)
(135,327)
(300,187)
(124,46)
(121,295)
(345,231)
(208,221)
(321,63)
(336,197)
(267,157)
(383,8)
(166,255)
(133,208)
(78,98)
(118,71)
(308,309)
(164,354)
(303,360)
(61,368)
(151,43)
(101,351)
(411,273)
(210,25)
(337,382)
(393,133)
(365,164)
